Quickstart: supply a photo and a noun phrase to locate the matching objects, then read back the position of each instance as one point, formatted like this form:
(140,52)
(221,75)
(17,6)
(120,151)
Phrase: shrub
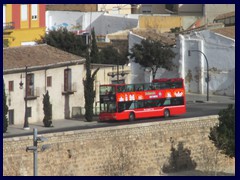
(223,134)
(47,108)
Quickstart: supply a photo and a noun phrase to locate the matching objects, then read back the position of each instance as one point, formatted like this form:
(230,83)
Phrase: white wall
(57,99)
(4,14)
(220,54)
(102,23)
(55,92)
(68,19)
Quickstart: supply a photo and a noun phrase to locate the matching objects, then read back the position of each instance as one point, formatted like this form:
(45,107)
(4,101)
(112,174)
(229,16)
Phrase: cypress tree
(89,93)
(47,109)
(94,49)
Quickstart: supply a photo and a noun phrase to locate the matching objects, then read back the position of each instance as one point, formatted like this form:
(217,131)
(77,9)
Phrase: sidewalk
(58,126)
(73,124)
(199,98)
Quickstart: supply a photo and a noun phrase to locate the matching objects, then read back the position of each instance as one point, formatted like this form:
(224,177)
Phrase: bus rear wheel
(166,113)
(131,116)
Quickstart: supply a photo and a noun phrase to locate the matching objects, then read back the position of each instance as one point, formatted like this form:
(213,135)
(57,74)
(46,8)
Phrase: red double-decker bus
(162,97)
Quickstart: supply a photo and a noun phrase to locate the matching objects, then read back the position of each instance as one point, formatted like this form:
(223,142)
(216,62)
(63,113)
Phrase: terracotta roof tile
(226,15)
(165,38)
(39,55)
(226,31)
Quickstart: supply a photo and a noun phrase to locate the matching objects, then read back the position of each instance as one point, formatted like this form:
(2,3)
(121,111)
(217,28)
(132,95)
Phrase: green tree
(110,55)
(5,111)
(153,54)
(223,134)
(89,93)
(47,109)
(94,49)
(66,41)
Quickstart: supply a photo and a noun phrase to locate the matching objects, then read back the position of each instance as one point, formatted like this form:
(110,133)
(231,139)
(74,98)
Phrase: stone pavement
(63,124)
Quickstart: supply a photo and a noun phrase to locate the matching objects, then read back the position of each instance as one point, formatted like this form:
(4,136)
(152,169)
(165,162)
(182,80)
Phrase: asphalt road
(193,110)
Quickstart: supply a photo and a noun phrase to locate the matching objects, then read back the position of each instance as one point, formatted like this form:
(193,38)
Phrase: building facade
(213,46)
(176,9)
(30,71)
(72,7)
(36,70)
(82,22)
(23,24)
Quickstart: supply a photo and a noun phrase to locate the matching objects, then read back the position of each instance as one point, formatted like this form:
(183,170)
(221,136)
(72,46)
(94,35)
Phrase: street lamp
(26,124)
(113,74)
(122,73)
(207,79)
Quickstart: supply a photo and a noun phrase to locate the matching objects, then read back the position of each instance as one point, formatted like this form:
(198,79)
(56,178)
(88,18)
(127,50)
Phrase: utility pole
(34,148)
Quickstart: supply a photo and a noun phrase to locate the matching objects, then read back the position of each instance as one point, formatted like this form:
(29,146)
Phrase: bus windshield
(107,89)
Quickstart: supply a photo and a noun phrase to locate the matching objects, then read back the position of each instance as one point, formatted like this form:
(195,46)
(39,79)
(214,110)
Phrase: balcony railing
(69,89)
(33,94)
(8,26)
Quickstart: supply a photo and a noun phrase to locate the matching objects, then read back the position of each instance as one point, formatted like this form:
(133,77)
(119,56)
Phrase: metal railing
(70,88)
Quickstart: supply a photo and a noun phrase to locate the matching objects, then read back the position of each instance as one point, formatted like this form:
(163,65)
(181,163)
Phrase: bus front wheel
(166,113)
(131,116)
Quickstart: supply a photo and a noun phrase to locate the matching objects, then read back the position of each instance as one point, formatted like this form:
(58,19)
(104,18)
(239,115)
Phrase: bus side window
(121,88)
(151,87)
(137,104)
(121,106)
(146,87)
(140,88)
(167,102)
(129,90)
(156,86)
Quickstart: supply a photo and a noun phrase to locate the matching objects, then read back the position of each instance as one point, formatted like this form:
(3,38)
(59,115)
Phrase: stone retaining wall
(152,148)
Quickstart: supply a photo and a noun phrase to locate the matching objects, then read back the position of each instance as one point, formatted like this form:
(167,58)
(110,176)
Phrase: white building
(53,70)
(48,69)
(81,22)
(218,46)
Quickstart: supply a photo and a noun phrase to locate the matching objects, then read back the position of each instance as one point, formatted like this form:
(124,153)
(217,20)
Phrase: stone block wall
(152,148)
